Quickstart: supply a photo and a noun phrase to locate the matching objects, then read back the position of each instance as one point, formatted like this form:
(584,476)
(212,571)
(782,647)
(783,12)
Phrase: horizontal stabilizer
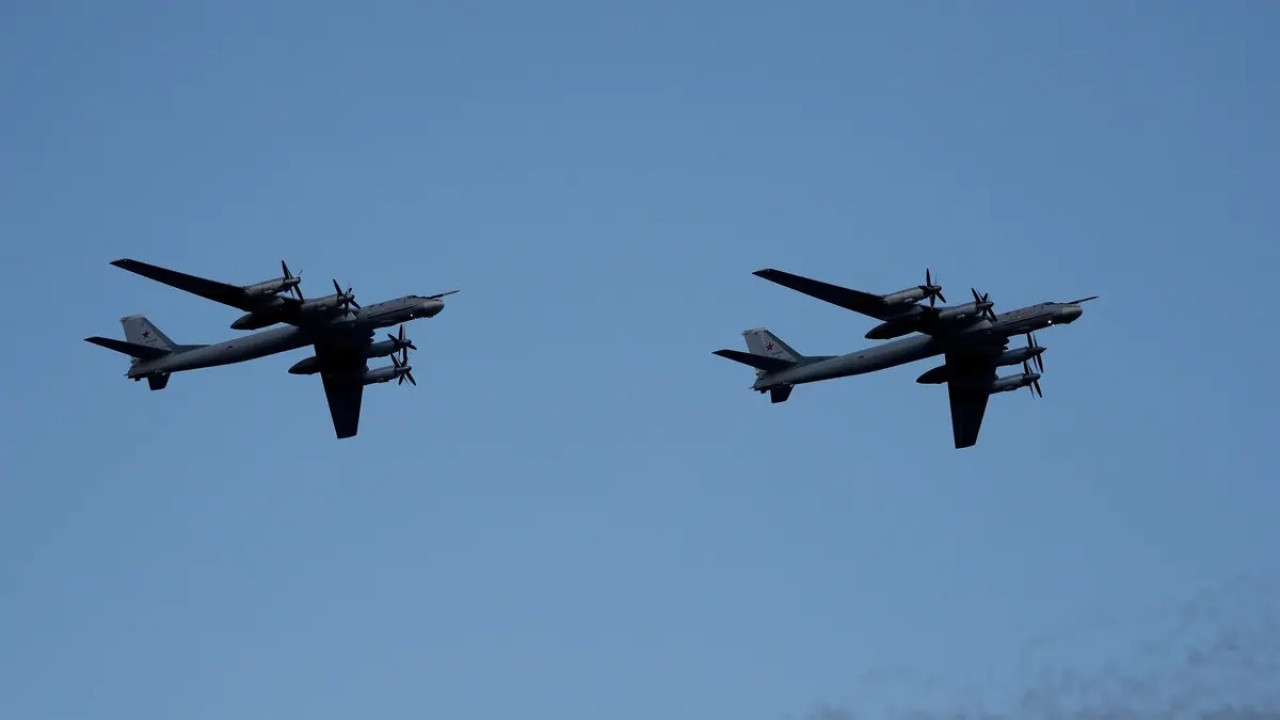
(142,352)
(780,393)
(760,362)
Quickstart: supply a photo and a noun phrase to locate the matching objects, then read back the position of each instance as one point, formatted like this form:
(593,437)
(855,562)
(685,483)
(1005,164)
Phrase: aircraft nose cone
(1071,312)
(431,308)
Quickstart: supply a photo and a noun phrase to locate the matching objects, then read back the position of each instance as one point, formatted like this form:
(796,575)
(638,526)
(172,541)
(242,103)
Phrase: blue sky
(580,512)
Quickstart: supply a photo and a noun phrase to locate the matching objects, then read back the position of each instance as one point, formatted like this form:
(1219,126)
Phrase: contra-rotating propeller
(293,287)
(1034,386)
(403,369)
(1032,344)
(347,298)
(984,304)
(402,341)
(931,291)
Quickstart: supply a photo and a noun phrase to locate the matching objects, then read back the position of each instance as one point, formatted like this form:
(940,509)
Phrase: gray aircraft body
(973,339)
(340,330)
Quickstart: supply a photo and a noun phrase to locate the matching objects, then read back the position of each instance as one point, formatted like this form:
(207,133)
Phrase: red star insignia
(146,333)
(769,346)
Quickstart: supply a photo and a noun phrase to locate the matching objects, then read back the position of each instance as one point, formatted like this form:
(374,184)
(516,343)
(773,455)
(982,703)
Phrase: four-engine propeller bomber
(339,328)
(972,337)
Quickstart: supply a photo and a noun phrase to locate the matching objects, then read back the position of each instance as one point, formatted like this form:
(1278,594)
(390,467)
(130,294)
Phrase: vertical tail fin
(140,331)
(762,342)
(143,342)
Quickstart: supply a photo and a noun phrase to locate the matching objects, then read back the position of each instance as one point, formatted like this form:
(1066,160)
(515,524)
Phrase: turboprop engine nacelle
(272,287)
(936,376)
(896,326)
(380,375)
(326,304)
(256,320)
(311,365)
(1018,355)
(929,290)
(1013,382)
(890,329)
(963,311)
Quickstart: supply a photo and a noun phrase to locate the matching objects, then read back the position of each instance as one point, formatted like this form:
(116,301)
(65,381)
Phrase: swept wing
(342,369)
(856,300)
(897,318)
(970,371)
(286,309)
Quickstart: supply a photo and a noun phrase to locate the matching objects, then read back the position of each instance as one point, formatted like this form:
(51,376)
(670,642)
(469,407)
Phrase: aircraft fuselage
(919,347)
(357,325)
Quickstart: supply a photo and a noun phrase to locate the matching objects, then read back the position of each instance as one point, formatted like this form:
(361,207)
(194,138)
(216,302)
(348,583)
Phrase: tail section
(138,330)
(143,342)
(767,353)
(134,350)
(761,341)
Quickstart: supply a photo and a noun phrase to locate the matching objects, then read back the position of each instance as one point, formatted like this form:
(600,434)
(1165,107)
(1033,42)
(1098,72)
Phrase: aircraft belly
(870,360)
(235,351)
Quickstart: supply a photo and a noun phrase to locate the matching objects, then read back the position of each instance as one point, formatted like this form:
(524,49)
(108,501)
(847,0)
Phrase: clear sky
(580,513)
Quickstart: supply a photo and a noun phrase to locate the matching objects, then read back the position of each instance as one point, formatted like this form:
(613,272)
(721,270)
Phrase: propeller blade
(405,342)
(1036,384)
(988,312)
(401,341)
(942,297)
(1032,344)
(411,380)
(292,289)
(345,298)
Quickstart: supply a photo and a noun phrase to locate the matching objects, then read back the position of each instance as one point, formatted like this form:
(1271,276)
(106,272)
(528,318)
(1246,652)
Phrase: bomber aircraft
(338,327)
(973,339)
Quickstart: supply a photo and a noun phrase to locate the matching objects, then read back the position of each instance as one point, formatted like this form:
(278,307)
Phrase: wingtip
(764,271)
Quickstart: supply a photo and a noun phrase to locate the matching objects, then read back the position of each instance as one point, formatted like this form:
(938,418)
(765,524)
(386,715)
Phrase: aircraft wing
(220,292)
(342,372)
(967,371)
(856,300)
